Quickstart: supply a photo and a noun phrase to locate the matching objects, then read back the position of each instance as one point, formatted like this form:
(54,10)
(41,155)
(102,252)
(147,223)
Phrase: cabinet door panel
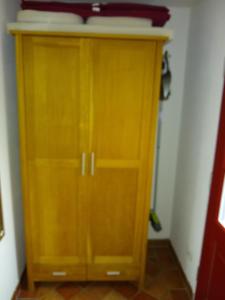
(121,127)
(54,226)
(112,233)
(118,93)
(52,97)
(55,139)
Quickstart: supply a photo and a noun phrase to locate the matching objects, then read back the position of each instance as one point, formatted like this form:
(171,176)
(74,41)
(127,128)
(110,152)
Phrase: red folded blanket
(158,14)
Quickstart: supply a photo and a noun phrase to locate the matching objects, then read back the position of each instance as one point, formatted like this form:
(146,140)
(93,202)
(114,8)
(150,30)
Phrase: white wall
(203,92)
(172,109)
(11,246)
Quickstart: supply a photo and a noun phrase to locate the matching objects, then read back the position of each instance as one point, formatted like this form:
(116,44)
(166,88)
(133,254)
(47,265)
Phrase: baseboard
(167,243)
(16,292)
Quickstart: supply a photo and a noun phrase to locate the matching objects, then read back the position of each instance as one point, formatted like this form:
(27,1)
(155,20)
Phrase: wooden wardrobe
(88,113)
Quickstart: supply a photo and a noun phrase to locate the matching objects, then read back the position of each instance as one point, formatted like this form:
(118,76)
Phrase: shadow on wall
(9,83)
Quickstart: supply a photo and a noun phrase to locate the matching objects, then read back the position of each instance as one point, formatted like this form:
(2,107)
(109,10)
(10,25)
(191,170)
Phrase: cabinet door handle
(92,164)
(83,164)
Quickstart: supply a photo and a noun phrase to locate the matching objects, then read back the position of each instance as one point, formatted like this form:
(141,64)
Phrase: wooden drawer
(58,272)
(113,273)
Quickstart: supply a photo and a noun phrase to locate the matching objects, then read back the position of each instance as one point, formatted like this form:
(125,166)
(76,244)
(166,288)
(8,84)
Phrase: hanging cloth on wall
(166,78)
(158,14)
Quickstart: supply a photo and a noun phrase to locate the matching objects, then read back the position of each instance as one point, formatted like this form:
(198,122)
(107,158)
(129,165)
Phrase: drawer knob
(59,273)
(113,273)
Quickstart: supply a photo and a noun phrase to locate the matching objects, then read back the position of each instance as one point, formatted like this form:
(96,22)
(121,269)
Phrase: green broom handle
(158,140)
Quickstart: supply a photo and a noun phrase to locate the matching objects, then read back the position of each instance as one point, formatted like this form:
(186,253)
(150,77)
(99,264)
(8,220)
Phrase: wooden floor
(164,281)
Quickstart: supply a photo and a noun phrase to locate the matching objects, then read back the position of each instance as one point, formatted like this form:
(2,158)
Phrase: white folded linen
(119,21)
(36,16)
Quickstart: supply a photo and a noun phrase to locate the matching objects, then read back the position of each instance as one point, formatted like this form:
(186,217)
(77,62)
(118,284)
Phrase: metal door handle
(83,164)
(92,164)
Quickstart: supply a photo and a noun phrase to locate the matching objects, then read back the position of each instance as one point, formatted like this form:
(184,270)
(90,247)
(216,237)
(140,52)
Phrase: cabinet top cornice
(137,33)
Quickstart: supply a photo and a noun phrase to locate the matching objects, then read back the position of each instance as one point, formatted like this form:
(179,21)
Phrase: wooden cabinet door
(122,121)
(53,134)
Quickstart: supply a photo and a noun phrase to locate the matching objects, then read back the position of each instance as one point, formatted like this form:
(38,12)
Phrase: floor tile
(143,296)
(172,279)
(127,290)
(167,296)
(113,295)
(50,295)
(152,252)
(153,268)
(164,252)
(156,288)
(68,290)
(26,294)
(179,295)
(167,264)
(95,291)
(158,244)
(84,284)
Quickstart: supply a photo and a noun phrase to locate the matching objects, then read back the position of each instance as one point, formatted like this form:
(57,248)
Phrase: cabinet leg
(31,285)
(141,282)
